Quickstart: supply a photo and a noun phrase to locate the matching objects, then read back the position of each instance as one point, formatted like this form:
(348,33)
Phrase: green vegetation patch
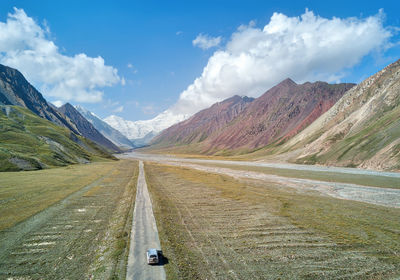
(29,142)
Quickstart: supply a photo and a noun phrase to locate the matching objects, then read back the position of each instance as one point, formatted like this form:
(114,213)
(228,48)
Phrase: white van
(152,256)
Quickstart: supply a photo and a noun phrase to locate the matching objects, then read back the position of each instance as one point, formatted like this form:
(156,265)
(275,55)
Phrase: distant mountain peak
(135,130)
(104,128)
(288,82)
(204,123)
(86,128)
(81,109)
(68,105)
(238,98)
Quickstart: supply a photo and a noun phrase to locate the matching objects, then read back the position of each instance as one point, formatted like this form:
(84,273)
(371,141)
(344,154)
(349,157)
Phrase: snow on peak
(81,109)
(139,129)
(85,111)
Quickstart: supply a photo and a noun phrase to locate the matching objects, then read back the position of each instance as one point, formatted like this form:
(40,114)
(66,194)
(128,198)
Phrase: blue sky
(150,43)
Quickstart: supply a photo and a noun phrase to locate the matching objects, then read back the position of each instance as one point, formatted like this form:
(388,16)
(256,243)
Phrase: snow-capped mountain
(109,132)
(136,130)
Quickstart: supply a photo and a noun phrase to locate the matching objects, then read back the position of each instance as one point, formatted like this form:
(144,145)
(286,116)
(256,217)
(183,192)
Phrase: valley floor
(67,223)
(214,226)
(252,220)
(215,219)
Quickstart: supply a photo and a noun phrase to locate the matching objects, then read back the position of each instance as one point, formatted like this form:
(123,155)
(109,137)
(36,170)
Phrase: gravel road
(144,235)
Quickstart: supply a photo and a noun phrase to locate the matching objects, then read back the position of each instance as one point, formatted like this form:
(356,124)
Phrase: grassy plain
(215,227)
(23,194)
(72,222)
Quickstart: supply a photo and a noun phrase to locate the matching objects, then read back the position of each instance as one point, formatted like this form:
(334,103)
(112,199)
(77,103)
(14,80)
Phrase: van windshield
(153,256)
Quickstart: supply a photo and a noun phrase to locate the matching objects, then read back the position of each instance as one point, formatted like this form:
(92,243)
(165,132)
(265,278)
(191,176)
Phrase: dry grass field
(23,194)
(215,227)
(67,223)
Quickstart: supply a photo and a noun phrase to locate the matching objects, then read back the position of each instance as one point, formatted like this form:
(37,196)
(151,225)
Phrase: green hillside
(28,142)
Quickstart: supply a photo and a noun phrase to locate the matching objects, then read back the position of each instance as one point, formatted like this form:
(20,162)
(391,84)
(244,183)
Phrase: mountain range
(16,90)
(203,124)
(313,123)
(361,130)
(111,133)
(86,129)
(141,132)
(34,134)
(239,125)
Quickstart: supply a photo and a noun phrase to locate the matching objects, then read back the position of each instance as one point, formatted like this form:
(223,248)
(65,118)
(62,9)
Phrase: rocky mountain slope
(203,124)
(137,131)
(16,90)
(362,129)
(30,142)
(277,115)
(86,129)
(105,129)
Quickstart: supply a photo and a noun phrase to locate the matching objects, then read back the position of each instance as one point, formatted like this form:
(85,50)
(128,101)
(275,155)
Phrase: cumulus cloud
(305,48)
(25,45)
(205,41)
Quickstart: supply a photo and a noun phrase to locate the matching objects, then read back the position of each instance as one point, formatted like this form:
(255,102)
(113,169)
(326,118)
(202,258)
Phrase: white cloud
(205,41)
(130,66)
(305,48)
(58,103)
(118,109)
(148,109)
(24,45)
(108,103)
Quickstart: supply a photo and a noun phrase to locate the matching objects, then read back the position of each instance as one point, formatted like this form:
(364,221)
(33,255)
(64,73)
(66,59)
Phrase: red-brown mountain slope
(204,123)
(280,113)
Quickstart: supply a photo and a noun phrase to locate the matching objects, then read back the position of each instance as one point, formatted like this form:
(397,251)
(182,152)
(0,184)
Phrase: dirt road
(144,235)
